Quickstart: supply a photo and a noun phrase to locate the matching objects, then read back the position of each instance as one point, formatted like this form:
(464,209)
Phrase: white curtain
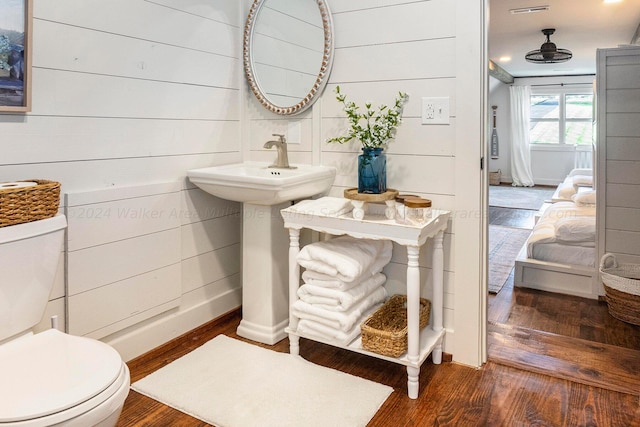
(520,157)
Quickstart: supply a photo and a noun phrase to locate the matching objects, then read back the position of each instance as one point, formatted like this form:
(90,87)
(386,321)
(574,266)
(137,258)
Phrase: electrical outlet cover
(435,111)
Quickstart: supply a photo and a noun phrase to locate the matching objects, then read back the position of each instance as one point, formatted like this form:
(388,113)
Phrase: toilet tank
(29,255)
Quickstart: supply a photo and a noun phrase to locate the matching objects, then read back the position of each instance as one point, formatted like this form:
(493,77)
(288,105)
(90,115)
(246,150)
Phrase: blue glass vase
(372,171)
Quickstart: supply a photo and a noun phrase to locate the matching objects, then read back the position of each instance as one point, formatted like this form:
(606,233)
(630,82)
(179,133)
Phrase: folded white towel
(332,206)
(345,258)
(337,300)
(311,277)
(326,333)
(312,330)
(341,320)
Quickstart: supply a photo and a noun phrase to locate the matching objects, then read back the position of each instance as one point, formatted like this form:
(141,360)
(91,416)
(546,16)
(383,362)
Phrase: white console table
(376,226)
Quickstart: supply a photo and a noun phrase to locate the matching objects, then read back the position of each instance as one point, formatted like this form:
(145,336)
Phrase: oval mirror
(288,49)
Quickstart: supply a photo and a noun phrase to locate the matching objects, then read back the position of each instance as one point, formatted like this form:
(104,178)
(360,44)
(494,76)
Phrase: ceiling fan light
(548,52)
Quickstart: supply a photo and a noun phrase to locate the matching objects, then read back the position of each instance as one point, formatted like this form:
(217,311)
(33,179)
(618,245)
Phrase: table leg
(437,262)
(294,283)
(413,319)
(413,383)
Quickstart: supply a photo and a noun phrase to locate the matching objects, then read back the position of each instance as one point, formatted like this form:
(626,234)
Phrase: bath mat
(504,245)
(229,383)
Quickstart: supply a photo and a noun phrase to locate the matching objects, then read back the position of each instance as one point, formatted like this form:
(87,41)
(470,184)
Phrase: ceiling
(581,26)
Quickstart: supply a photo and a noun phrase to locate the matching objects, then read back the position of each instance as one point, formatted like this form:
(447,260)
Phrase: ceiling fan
(548,52)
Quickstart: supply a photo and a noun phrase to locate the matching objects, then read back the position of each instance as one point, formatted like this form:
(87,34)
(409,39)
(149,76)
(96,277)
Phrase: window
(561,119)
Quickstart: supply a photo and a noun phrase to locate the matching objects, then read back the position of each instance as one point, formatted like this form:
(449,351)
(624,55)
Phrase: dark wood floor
(450,394)
(565,315)
(560,335)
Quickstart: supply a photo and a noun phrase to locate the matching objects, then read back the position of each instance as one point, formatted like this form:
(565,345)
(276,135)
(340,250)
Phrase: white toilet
(49,378)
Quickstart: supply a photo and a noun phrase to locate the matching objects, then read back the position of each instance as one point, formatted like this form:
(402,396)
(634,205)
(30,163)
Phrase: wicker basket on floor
(622,289)
(495,177)
(25,204)
(385,331)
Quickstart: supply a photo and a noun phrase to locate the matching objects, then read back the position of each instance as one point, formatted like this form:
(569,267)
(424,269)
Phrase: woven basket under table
(25,204)
(385,331)
(622,289)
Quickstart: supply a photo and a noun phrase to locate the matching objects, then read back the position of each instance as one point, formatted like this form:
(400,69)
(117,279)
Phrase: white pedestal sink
(263,192)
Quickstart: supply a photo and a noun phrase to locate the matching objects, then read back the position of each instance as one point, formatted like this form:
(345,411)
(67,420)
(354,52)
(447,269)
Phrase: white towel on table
(326,333)
(338,300)
(341,320)
(333,206)
(311,277)
(311,329)
(345,258)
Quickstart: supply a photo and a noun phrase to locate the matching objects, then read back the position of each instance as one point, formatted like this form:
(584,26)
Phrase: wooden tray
(352,194)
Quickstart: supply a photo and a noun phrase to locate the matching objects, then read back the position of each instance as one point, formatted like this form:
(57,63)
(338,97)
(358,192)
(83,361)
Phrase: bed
(560,253)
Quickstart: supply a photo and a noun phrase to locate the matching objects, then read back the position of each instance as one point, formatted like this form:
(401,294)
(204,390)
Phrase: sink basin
(256,183)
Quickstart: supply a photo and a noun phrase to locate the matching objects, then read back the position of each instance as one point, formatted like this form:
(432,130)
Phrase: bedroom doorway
(563,336)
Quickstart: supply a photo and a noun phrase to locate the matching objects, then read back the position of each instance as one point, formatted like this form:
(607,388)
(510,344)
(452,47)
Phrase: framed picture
(15,55)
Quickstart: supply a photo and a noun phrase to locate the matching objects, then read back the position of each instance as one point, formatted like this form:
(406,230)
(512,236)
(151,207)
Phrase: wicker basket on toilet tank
(28,200)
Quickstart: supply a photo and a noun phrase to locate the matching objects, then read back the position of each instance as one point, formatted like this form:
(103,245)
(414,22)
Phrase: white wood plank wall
(134,253)
(619,95)
(129,93)
(123,257)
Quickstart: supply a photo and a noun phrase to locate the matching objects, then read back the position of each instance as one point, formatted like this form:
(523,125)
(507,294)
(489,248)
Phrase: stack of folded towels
(343,283)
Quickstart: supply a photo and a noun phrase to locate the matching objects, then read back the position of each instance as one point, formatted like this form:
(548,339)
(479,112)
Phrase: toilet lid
(51,371)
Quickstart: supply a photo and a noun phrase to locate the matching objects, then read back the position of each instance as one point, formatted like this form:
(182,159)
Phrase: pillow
(576,229)
(585,198)
(583,180)
(581,171)
(564,192)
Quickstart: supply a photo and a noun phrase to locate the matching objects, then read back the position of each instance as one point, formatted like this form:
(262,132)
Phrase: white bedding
(574,183)
(563,254)
(579,248)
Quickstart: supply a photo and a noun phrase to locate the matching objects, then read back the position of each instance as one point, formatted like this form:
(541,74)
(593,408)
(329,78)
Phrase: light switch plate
(294,132)
(435,111)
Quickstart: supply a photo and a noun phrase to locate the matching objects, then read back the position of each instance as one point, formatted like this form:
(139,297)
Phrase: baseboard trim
(139,340)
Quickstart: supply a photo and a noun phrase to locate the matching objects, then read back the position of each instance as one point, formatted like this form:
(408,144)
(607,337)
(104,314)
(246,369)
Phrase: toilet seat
(52,375)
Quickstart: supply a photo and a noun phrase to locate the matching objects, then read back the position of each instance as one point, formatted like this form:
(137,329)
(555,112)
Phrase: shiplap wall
(618,172)
(123,257)
(128,93)
(423,48)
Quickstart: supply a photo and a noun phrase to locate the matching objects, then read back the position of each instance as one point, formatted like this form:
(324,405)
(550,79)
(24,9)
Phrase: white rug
(506,196)
(229,383)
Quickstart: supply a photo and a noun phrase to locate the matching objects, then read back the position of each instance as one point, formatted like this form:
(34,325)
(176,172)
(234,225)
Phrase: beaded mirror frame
(323,73)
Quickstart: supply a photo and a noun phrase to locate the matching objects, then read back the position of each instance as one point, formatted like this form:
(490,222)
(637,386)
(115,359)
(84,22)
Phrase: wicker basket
(385,331)
(622,289)
(26,204)
(495,177)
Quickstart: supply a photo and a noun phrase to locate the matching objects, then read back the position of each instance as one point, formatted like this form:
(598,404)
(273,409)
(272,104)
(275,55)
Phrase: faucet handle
(280,136)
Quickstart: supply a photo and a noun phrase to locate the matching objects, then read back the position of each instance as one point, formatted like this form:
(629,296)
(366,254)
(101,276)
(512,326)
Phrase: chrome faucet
(282,162)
